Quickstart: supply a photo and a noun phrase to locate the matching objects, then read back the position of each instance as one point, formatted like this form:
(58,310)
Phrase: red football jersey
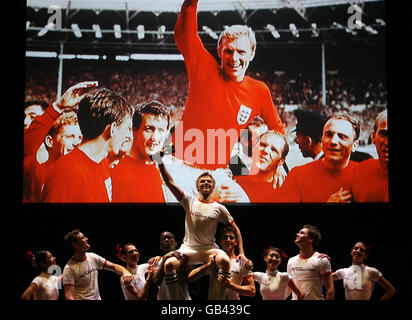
(216,109)
(77,178)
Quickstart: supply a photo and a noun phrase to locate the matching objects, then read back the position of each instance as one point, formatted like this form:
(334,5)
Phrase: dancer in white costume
(276,285)
(80,274)
(138,288)
(241,280)
(309,271)
(359,279)
(168,246)
(202,218)
(46,285)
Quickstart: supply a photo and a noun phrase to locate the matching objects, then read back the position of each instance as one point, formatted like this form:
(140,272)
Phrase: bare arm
(328,283)
(296,289)
(143,295)
(72,97)
(199,272)
(247,289)
(390,290)
(29,291)
(158,273)
(167,178)
(239,239)
(117,268)
(69,292)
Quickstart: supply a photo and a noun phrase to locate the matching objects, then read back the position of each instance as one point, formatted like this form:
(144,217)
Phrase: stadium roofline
(174,5)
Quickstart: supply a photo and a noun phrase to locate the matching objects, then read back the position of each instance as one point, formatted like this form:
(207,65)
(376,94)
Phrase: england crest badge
(243,114)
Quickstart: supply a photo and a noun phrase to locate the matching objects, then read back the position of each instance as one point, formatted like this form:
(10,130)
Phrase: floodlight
(45,29)
(161,30)
(315,30)
(371,30)
(97,31)
(380,22)
(76,30)
(122,58)
(273,31)
(294,30)
(140,32)
(117,31)
(210,32)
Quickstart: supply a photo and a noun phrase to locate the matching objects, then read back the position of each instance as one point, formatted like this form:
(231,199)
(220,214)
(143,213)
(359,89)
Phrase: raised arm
(35,134)
(186,26)
(167,178)
(41,125)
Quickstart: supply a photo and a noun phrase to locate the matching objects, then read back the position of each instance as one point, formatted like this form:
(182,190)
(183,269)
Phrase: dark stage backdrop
(44,226)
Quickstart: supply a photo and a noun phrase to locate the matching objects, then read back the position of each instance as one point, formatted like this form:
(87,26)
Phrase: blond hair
(236,31)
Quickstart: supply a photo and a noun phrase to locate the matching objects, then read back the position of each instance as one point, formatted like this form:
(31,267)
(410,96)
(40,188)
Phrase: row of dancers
(306,272)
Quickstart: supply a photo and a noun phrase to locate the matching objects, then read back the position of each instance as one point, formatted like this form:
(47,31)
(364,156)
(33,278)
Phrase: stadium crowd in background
(203,111)
(108,139)
(167,82)
(43,123)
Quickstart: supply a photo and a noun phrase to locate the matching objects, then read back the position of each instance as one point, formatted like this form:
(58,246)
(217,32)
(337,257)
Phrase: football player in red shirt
(221,98)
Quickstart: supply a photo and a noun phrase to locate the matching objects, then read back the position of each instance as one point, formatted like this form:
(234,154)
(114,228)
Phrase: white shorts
(199,255)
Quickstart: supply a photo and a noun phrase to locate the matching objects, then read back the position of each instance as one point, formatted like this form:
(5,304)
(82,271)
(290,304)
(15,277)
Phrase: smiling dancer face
(273,259)
(205,185)
(359,253)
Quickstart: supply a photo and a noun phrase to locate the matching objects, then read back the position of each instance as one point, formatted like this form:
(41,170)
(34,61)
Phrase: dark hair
(271,248)
(367,247)
(227,228)
(37,258)
(43,104)
(121,249)
(172,243)
(69,238)
(310,123)
(100,108)
(313,233)
(151,107)
(167,232)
